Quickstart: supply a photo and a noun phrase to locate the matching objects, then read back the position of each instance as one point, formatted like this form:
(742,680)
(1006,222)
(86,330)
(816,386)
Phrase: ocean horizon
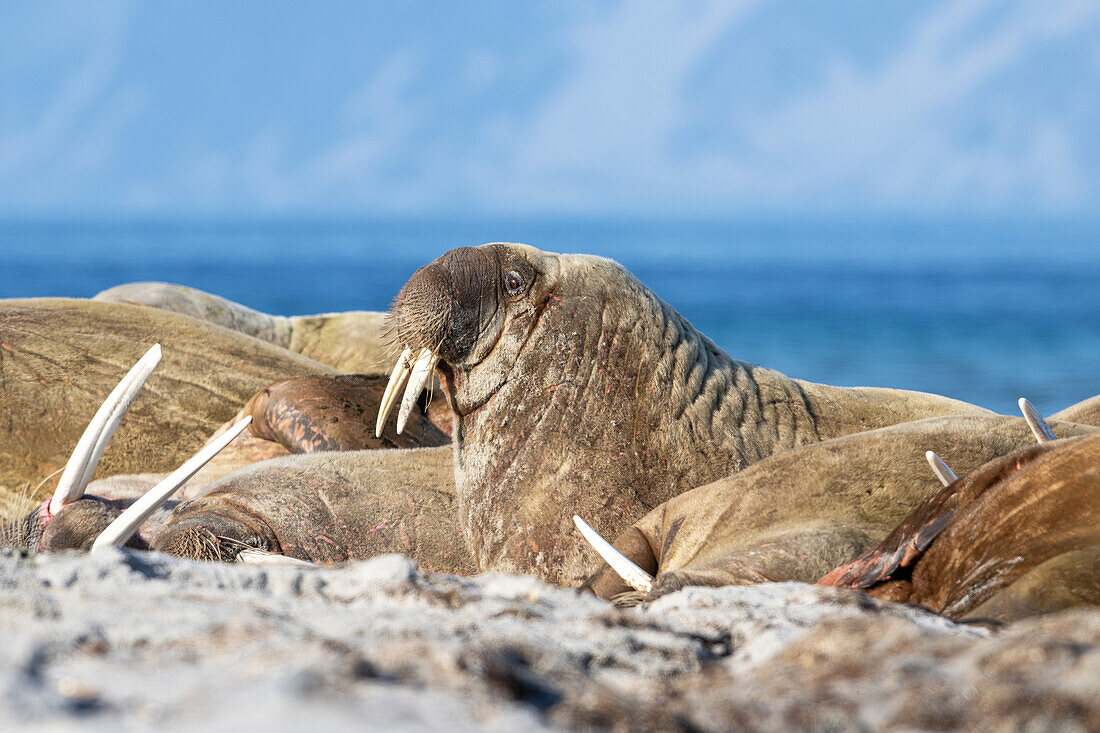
(981,311)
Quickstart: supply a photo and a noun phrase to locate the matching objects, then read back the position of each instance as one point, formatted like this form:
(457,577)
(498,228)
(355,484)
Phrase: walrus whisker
(421,373)
(398,377)
(252,556)
(89,449)
(1039,427)
(635,577)
(942,470)
(124,526)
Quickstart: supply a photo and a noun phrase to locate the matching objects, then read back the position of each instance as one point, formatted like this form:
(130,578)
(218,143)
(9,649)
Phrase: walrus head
(469,314)
(575,389)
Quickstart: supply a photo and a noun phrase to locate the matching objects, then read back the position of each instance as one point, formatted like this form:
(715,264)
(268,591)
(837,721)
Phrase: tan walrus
(353,341)
(797,514)
(323,507)
(1085,412)
(1018,537)
(577,390)
(59,358)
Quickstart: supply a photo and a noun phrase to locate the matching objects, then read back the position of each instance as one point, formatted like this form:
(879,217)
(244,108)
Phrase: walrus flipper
(333,413)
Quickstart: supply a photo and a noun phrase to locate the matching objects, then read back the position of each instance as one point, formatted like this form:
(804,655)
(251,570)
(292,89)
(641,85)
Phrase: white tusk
(393,389)
(941,469)
(1035,421)
(89,449)
(637,578)
(421,373)
(259,557)
(126,524)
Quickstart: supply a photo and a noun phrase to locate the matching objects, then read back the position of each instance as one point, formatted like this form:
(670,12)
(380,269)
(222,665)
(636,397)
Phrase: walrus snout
(451,310)
(448,304)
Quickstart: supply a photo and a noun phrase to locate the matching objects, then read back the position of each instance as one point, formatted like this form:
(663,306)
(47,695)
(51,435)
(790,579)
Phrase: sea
(982,311)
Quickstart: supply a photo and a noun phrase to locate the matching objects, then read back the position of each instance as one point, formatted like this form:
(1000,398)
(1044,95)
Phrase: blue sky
(701,109)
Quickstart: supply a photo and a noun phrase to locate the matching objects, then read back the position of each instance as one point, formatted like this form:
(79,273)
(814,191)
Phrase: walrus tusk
(635,577)
(393,388)
(124,526)
(1035,421)
(89,449)
(259,557)
(421,373)
(941,469)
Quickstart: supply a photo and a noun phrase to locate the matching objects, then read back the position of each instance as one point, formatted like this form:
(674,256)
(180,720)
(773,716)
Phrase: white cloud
(621,102)
(887,135)
(897,120)
(82,112)
(379,118)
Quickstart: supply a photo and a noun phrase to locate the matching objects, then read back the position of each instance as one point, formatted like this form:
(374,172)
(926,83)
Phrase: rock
(131,639)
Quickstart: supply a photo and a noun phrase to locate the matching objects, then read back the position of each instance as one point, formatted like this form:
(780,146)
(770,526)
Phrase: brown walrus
(59,358)
(353,341)
(1018,537)
(577,390)
(797,514)
(1086,412)
(564,371)
(306,501)
(336,413)
(328,507)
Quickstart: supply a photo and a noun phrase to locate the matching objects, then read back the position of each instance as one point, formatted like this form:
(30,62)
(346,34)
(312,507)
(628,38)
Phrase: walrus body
(329,507)
(352,342)
(59,358)
(1086,412)
(1018,537)
(799,513)
(577,390)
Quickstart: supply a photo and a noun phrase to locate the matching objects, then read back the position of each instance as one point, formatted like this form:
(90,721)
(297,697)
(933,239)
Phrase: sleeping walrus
(1018,537)
(797,514)
(59,358)
(353,341)
(322,507)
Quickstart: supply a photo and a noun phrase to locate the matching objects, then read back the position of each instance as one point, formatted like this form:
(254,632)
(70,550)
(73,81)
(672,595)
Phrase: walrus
(1086,412)
(306,415)
(328,507)
(1018,537)
(354,341)
(576,390)
(798,514)
(59,358)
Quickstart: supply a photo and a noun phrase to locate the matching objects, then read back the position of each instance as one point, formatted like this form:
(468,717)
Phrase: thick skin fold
(328,507)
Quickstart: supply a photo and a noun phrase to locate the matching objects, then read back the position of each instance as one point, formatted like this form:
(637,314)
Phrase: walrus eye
(514,283)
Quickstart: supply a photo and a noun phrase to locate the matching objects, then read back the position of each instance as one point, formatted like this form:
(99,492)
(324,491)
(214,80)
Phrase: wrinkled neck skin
(602,401)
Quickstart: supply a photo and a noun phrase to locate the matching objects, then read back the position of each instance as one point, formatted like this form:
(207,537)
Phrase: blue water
(984,312)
